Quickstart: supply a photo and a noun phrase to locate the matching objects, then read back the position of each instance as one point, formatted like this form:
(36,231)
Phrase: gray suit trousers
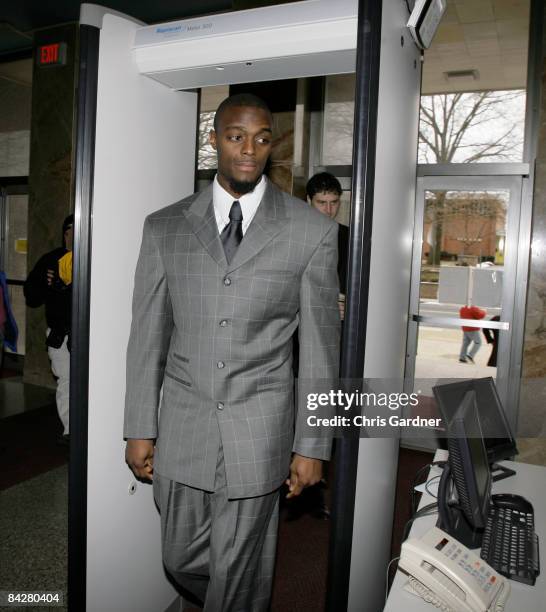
(222,550)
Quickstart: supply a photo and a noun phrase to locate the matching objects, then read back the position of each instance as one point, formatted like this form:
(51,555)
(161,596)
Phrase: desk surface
(530,482)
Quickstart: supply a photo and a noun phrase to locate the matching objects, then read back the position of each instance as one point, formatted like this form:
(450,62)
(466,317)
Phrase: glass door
(464,275)
(13,260)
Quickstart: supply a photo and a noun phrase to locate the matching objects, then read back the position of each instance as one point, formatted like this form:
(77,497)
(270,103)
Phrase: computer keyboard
(510,544)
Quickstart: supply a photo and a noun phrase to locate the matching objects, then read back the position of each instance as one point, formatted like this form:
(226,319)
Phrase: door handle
(457,323)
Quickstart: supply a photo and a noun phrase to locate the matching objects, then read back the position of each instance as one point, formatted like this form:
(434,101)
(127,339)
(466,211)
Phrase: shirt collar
(222,201)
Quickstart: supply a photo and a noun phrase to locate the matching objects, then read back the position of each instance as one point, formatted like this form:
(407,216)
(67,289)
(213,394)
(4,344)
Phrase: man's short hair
(68,223)
(241,99)
(323,182)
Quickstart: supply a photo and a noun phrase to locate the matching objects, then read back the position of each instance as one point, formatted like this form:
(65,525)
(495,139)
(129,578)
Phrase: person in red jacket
(471,335)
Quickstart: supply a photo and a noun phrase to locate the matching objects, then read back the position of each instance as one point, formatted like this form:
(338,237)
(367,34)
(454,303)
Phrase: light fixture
(462,75)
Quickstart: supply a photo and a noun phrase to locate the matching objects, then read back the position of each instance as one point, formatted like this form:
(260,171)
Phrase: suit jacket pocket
(181,357)
(279,386)
(178,379)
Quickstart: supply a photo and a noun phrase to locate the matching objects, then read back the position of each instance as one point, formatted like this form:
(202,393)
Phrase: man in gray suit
(223,279)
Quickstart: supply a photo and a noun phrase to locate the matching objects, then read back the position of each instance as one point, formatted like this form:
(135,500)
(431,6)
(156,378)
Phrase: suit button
(220,406)
(221,365)
(223,323)
(227,281)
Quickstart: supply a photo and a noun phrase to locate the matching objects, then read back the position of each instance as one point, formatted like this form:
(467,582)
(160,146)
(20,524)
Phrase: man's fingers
(148,472)
(145,472)
(139,457)
(295,490)
(143,475)
(294,486)
(304,472)
(294,493)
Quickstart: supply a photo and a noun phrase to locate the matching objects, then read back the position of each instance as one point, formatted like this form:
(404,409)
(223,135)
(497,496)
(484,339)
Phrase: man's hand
(139,456)
(304,472)
(50,277)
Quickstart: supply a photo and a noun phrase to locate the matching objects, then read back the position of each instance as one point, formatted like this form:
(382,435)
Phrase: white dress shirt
(222,202)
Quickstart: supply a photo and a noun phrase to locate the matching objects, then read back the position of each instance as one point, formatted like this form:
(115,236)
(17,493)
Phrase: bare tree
(465,128)
(471,126)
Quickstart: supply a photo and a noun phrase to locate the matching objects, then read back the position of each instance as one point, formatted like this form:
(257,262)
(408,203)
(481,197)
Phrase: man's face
(243,143)
(327,203)
(69,237)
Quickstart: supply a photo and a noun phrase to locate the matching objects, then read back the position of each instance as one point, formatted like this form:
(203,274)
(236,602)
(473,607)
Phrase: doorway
(465,254)
(13,252)
(118,111)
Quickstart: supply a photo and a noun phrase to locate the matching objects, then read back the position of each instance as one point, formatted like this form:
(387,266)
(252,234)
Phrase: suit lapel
(270,218)
(203,221)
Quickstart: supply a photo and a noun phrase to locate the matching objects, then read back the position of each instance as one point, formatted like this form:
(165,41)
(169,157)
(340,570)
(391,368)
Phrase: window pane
(206,154)
(462,263)
(472,127)
(18,308)
(337,141)
(16,259)
(16,252)
(474,80)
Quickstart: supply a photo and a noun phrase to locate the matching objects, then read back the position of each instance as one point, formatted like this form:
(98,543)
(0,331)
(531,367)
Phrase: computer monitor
(468,468)
(498,436)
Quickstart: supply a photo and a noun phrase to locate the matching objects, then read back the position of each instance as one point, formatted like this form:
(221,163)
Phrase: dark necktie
(232,234)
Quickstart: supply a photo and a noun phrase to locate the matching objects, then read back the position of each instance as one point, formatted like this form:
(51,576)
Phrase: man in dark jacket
(50,283)
(324,193)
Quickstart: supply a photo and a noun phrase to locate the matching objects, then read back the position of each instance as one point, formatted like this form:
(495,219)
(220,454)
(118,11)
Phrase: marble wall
(533,384)
(14,153)
(50,177)
(282,153)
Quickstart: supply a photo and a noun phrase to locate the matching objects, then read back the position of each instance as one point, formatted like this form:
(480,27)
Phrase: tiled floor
(33,498)
(33,524)
(33,488)
(28,445)
(17,397)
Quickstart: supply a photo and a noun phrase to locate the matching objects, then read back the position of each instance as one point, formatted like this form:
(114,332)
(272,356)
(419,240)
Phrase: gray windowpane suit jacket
(217,339)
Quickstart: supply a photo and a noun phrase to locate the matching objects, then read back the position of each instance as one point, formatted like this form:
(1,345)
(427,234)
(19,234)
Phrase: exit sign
(52,55)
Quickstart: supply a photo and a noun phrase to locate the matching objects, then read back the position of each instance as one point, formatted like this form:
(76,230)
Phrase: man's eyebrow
(244,129)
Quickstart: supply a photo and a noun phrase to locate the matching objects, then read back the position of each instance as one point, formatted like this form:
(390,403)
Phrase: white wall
(392,237)
(144,159)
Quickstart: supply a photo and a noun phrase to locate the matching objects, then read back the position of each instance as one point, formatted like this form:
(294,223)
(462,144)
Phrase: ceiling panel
(487,36)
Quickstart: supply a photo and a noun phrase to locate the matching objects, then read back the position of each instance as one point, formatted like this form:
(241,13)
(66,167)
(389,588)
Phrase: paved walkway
(438,357)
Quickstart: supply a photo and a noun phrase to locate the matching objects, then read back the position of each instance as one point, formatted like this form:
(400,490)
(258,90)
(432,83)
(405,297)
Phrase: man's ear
(212,139)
